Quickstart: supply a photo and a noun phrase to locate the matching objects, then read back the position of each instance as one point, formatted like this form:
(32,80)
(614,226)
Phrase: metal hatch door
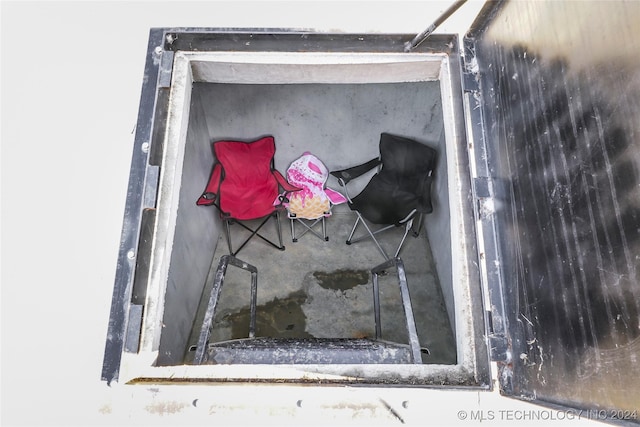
(552,92)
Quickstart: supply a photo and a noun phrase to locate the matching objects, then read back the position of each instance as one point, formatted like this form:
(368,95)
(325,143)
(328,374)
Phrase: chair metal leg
(254,232)
(227,223)
(279,230)
(309,228)
(416,230)
(382,251)
(353,230)
(371,234)
(293,231)
(366,236)
(407,227)
(324,230)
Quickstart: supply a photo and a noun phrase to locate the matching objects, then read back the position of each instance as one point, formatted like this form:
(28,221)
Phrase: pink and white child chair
(313,203)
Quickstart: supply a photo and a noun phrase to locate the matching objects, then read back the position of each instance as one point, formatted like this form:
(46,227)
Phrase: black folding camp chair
(397,194)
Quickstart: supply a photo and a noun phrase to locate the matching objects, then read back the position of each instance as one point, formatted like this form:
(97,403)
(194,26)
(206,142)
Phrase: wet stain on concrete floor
(341,280)
(281,317)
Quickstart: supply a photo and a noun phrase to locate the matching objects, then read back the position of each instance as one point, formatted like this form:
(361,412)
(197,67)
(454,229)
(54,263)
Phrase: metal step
(308,351)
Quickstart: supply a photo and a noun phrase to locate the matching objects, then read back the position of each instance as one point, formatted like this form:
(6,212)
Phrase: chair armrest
(206,199)
(283,198)
(346,175)
(210,194)
(286,186)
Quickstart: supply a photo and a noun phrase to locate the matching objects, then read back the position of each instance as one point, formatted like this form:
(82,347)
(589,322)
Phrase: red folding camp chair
(244,185)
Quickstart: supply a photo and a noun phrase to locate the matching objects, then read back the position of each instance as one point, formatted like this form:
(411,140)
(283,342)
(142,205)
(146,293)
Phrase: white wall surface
(71,80)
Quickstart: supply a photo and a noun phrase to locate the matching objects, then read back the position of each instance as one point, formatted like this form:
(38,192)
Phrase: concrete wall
(341,124)
(196,236)
(438,229)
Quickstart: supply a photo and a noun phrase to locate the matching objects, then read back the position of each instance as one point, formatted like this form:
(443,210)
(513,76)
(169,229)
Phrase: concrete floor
(322,289)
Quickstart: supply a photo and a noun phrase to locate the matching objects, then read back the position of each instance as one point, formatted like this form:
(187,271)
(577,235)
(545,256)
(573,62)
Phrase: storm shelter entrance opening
(317,288)
(314,288)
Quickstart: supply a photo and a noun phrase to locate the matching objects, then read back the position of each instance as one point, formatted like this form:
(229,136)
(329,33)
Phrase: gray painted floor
(322,289)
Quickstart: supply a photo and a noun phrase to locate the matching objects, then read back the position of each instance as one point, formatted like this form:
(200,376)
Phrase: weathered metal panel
(140,191)
(559,90)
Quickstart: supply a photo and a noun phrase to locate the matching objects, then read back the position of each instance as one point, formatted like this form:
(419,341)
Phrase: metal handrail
(414,342)
(205,330)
